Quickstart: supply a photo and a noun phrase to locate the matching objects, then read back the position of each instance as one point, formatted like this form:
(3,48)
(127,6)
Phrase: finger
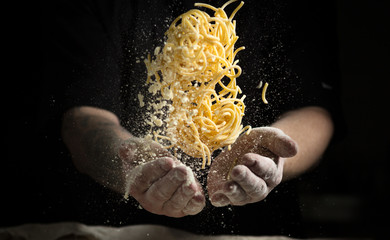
(195,205)
(143,176)
(183,194)
(235,193)
(175,205)
(163,189)
(270,170)
(230,193)
(219,200)
(277,141)
(253,186)
(264,167)
(218,173)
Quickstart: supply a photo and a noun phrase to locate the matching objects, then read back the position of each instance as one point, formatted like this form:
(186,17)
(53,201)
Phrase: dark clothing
(93,56)
(99,46)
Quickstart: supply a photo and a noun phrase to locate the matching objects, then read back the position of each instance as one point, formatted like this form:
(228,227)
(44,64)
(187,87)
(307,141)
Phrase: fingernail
(180,175)
(198,197)
(219,200)
(194,207)
(166,163)
(238,174)
(230,188)
(188,190)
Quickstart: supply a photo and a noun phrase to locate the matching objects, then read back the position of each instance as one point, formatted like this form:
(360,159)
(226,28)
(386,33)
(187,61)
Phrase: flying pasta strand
(195,73)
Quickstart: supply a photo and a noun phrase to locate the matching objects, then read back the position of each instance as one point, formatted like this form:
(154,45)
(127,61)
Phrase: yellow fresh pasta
(193,77)
(263,93)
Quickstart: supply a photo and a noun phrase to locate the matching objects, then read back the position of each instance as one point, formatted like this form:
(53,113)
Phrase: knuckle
(257,190)
(275,180)
(231,189)
(160,195)
(179,175)
(239,172)
(150,207)
(174,205)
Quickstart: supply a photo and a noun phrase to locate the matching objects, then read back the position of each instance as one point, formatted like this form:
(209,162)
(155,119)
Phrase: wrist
(135,151)
(128,149)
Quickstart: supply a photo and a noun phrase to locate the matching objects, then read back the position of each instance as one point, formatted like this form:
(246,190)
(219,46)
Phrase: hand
(251,169)
(161,184)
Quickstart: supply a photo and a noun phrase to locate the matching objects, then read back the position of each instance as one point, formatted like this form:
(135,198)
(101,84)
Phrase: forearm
(312,129)
(93,135)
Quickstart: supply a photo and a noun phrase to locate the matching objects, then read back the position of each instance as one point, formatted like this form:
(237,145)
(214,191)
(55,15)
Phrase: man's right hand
(163,185)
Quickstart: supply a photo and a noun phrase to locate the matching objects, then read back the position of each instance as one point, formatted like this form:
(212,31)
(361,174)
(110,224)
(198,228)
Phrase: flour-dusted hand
(251,169)
(161,184)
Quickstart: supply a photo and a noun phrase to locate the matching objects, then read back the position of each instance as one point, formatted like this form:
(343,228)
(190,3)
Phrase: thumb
(275,140)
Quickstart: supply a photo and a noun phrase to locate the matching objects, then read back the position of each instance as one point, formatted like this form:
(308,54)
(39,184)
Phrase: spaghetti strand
(195,72)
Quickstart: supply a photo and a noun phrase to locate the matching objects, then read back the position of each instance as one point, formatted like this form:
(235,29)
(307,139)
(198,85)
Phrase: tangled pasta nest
(198,108)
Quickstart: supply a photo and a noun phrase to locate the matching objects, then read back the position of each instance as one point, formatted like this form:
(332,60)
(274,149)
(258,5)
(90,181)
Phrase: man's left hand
(251,169)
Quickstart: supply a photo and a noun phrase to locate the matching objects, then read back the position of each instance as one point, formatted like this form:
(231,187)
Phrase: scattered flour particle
(154,88)
(158,122)
(157,50)
(130,180)
(168,94)
(185,100)
(260,84)
(191,177)
(141,100)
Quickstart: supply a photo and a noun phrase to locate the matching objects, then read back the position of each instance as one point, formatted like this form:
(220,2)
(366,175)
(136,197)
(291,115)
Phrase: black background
(345,196)
(352,198)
